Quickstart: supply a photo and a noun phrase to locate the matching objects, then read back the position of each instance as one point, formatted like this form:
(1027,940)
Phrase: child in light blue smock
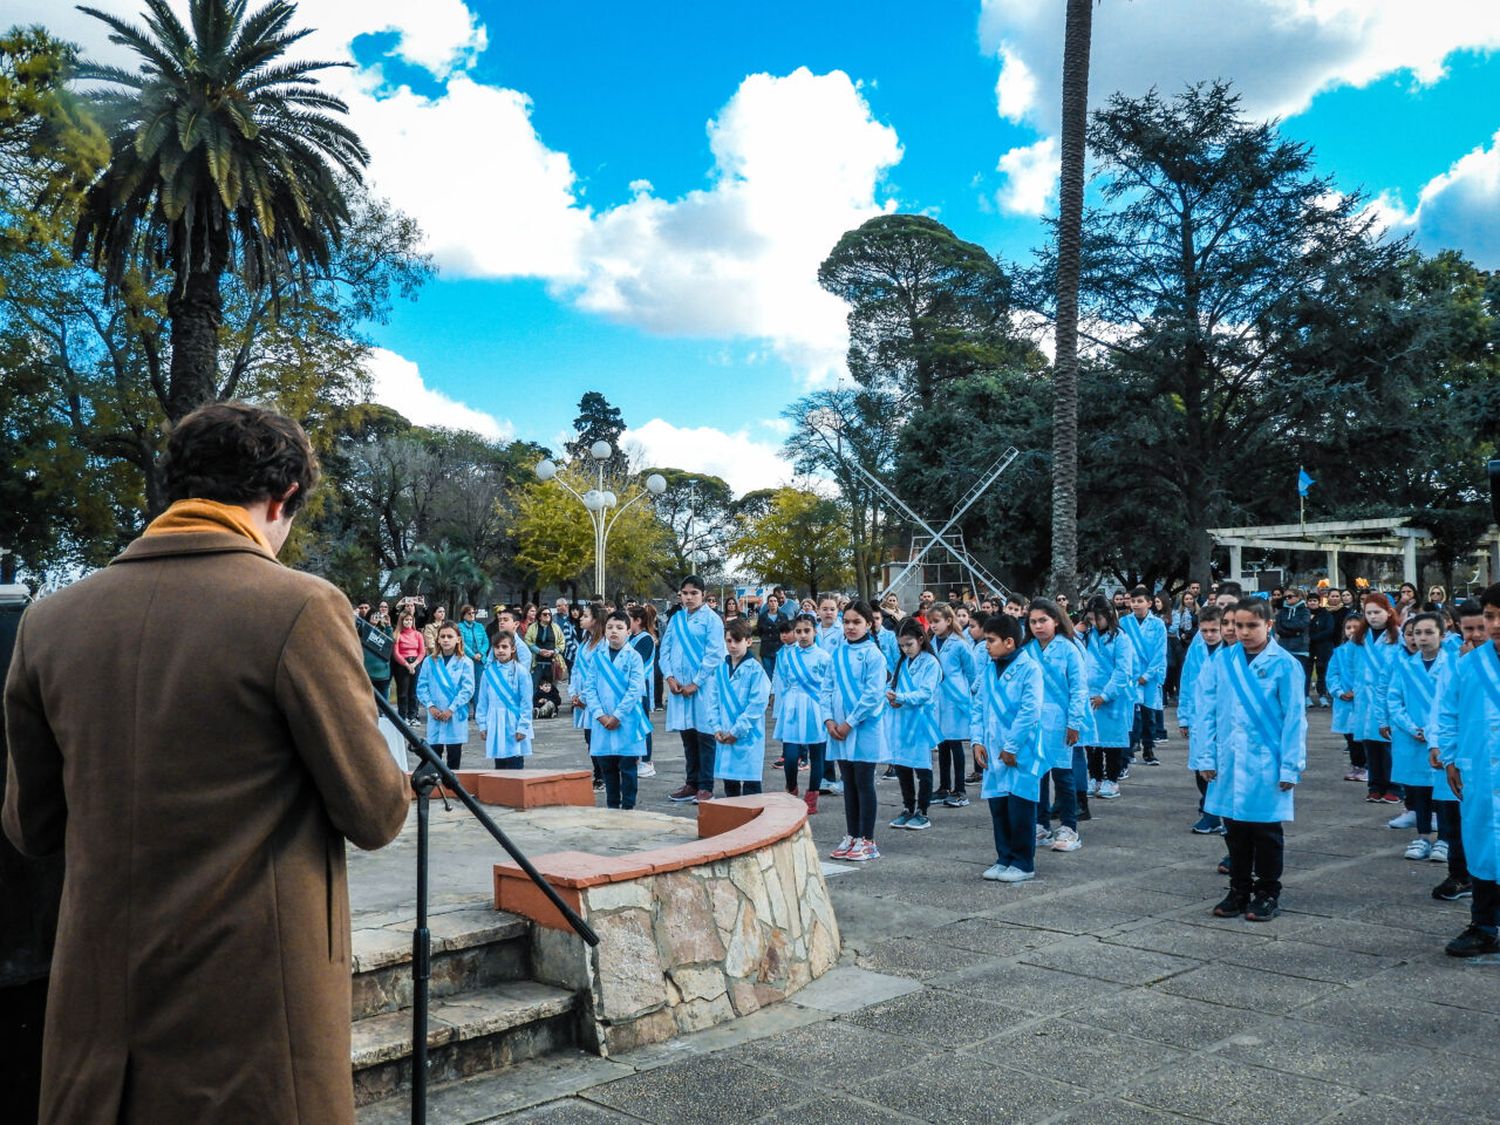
(1467,741)
(911,730)
(503,713)
(692,648)
(612,702)
(1007,725)
(1409,698)
(1371,658)
(855,702)
(1254,709)
(444,687)
(1066,719)
(1110,660)
(1147,634)
(957,659)
(1341,691)
(1198,664)
(801,686)
(738,696)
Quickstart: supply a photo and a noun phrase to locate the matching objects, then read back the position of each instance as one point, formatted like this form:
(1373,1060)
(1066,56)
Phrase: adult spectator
(712,601)
(378,668)
(1437,597)
(204,784)
(1324,632)
(1293,626)
(362,610)
(731,608)
(890,606)
(406,663)
(768,629)
(476,640)
(545,641)
(1406,601)
(436,621)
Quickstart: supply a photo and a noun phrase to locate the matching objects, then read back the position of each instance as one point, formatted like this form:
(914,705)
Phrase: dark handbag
(377,642)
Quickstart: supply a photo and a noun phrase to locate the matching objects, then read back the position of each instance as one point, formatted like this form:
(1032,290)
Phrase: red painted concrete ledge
(528,789)
(732,826)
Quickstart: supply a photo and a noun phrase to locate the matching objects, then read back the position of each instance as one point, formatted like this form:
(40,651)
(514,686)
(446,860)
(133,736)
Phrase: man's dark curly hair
(236,453)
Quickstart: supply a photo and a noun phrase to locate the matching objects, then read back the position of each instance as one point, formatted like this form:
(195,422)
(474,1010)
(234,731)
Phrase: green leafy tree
(598,420)
(225,158)
(801,541)
(700,511)
(449,574)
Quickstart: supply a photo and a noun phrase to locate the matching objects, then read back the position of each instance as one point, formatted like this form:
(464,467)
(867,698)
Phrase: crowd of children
(1049,709)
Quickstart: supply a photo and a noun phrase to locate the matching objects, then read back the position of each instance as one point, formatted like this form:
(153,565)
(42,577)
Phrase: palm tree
(225,156)
(1075,104)
(449,572)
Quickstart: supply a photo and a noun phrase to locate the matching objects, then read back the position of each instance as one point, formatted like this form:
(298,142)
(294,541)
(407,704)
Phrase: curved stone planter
(691,935)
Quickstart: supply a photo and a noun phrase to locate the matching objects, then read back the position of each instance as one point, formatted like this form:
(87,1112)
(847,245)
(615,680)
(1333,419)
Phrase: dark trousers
(646,707)
(1257,851)
(950,755)
(916,788)
(1320,658)
(620,779)
(859,798)
(406,691)
(698,752)
(1419,800)
(1143,732)
(1448,822)
(1158,725)
(791,754)
(1356,752)
(1104,762)
(1014,821)
(516,763)
(382,687)
(453,751)
(1067,798)
(741,788)
(1485,909)
(1202,792)
(1307,670)
(1378,762)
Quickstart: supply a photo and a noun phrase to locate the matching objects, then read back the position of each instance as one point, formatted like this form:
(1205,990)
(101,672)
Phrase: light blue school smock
(578,679)
(1409,697)
(616,682)
(957,659)
(1111,673)
(889,648)
(1340,680)
(1007,716)
(504,710)
(692,648)
(1257,723)
(911,731)
(856,695)
(801,686)
(828,637)
(447,685)
(1468,736)
(737,699)
(1370,667)
(1149,640)
(645,647)
(1065,699)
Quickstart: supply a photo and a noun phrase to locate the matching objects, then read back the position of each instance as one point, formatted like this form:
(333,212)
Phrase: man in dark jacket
(1293,624)
(1323,632)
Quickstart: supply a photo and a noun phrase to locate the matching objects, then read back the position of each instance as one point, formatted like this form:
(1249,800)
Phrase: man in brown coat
(194,727)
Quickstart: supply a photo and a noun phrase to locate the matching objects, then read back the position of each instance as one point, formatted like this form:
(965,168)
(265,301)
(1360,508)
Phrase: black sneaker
(940,796)
(1473,942)
(1083,812)
(1451,890)
(976,775)
(1151,759)
(1232,906)
(1263,909)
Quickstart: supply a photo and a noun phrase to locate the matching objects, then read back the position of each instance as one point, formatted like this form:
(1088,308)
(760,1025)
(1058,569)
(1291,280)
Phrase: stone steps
(484,1014)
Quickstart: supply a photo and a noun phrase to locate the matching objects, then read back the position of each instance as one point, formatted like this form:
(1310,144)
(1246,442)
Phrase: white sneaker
(1408,819)
(1108,790)
(834,786)
(996,874)
(645,769)
(1093,787)
(1043,835)
(1439,851)
(1066,840)
(1420,848)
(1016,875)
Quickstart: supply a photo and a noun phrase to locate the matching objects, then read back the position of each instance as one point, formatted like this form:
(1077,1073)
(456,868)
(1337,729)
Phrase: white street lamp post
(599,501)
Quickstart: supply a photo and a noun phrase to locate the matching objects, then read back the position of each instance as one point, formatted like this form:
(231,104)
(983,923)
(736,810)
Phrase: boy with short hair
(1467,744)
(738,695)
(1205,644)
(617,722)
(1148,635)
(1007,742)
(1256,726)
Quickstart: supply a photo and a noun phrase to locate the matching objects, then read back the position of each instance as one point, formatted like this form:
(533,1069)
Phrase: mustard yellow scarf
(206,515)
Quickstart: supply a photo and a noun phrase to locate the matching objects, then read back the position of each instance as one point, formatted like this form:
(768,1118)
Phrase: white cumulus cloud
(743,462)
(1031,173)
(1461,208)
(397,382)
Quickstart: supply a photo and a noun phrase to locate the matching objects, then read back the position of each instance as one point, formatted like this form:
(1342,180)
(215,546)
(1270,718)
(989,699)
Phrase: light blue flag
(1304,482)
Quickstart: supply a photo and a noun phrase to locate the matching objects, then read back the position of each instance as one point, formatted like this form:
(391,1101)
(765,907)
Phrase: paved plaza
(1102,991)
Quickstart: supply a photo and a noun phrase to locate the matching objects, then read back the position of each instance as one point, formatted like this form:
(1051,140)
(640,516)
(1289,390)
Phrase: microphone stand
(427,776)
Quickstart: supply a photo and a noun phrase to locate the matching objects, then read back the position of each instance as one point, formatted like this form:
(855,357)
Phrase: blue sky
(634,198)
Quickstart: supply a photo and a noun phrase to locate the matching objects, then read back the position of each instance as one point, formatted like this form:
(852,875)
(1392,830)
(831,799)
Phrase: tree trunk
(1075,104)
(195,309)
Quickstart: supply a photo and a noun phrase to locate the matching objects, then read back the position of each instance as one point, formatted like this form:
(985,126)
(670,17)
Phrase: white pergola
(1393,537)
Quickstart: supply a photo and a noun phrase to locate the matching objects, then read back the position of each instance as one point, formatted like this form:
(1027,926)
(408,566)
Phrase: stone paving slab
(1101,992)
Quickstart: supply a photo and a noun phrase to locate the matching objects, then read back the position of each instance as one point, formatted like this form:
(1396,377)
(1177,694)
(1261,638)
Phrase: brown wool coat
(194,725)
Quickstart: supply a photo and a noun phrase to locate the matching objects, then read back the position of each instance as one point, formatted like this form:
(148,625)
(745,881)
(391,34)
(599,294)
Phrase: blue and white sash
(929,731)
(1132,629)
(447,690)
(508,693)
(1489,673)
(1422,678)
(953,688)
(612,678)
(1055,678)
(732,703)
(843,677)
(1105,653)
(682,634)
(796,670)
(1252,698)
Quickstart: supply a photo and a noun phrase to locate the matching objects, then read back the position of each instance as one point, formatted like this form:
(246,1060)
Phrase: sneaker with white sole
(1408,819)
(1420,848)
(1108,790)
(1439,851)
(1125,774)
(859,852)
(956,801)
(645,769)
(902,821)
(1066,840)
(1016,875)
(1093,789)
(833,786)
(996,873)
(918,822)
(1043,834)
(842,851)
